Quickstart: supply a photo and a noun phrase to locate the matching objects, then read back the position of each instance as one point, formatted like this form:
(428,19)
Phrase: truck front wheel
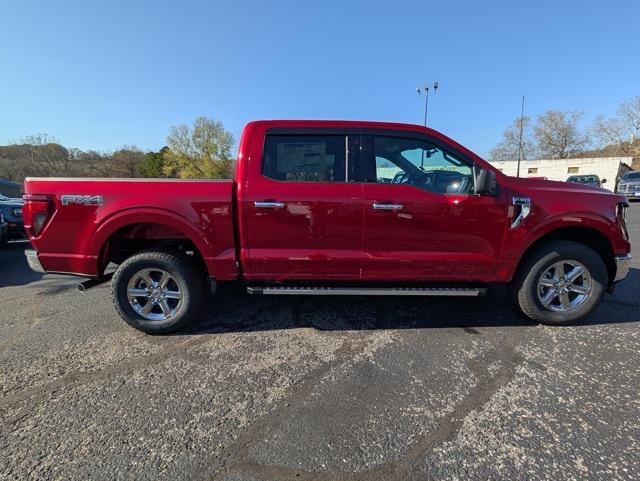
(559,282)
(158,291)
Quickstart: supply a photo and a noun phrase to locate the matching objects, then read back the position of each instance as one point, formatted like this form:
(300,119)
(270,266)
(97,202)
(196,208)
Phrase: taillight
(36,211)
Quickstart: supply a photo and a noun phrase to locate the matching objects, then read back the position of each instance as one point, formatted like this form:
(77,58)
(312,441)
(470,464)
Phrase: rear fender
(130,217)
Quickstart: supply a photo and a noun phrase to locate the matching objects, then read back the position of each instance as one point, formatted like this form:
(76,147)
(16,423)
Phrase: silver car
(629,185)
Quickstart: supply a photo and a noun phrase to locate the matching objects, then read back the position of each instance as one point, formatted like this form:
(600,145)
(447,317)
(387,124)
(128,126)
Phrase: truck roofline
(120,179)
(371,124)
(343,123)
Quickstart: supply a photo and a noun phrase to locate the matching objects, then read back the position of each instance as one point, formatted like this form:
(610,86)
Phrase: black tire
(187,278)
(524,287)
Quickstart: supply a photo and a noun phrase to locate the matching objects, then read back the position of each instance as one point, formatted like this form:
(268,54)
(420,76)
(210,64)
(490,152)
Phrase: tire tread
(184,266)
(520,289)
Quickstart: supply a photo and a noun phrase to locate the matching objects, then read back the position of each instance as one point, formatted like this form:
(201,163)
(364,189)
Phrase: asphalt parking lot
(268,388)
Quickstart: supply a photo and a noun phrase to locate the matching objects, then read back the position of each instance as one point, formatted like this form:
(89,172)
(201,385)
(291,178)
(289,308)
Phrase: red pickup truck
(339,208)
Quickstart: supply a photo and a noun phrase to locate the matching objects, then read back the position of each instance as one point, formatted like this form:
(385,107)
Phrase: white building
(609,168)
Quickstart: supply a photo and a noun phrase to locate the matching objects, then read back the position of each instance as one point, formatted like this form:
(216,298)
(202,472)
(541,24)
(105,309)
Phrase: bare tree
(42,156)
(95,164)
(630,113)
(559,135)
(126,161)
(46,155)
(621,131)
(35,155)
(509,147)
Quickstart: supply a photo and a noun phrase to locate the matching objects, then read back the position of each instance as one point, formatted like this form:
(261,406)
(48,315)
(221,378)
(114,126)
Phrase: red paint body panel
(318,234)
(325,231)
(558,205)
(436,237)
(74,237)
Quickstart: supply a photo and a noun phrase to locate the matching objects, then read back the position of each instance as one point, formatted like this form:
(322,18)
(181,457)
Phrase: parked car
(593,180)
(4,198)
(12,210)
(4,231)
(311,212)
(629,185)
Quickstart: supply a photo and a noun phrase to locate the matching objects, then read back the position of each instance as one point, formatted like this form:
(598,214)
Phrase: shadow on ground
(14,270)
(232,310)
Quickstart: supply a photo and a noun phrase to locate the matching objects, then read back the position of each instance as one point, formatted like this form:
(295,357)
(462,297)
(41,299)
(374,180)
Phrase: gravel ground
(267,388)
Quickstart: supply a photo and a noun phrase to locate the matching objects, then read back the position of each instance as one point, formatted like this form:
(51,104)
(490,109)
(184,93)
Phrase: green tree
(200,151)
(154,163)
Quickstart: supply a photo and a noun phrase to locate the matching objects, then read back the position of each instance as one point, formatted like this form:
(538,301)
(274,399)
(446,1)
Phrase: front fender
(587,220)
(519,241)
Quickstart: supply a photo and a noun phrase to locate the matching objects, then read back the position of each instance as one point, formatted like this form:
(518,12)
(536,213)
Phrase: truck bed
(86,215)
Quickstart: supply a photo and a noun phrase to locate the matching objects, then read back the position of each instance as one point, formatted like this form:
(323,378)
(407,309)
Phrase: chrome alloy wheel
(154,294)
(564,286)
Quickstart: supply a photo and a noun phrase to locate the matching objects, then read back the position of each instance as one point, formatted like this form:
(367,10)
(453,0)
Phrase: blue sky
(104,74)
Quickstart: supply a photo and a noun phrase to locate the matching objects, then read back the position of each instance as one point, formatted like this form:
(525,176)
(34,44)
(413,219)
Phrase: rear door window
(305,158)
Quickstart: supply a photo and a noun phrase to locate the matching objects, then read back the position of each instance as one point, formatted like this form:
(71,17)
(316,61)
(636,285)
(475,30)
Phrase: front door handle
(268,204)
(378,206)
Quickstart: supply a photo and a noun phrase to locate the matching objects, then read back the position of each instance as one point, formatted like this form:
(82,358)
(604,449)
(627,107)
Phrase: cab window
(305,158)
(421,164)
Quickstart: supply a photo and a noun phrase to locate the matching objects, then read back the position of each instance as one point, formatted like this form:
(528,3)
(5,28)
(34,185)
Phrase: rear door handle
(268,204)
(378,206)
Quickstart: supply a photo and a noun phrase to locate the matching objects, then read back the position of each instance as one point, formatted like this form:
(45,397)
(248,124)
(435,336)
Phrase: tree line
(202,150)
(560,135)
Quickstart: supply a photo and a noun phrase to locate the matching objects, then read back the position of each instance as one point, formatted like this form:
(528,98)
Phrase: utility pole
(424,92)
(520,146)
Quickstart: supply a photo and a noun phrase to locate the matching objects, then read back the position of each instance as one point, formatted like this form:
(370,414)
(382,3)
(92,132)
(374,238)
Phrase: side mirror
(603,181)
(486,182)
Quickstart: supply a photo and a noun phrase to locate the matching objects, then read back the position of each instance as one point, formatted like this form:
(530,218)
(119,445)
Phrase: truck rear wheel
(560,282)
(158,291)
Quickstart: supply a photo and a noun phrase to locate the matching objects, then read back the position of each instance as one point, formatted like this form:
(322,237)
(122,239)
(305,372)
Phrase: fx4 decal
(88,200)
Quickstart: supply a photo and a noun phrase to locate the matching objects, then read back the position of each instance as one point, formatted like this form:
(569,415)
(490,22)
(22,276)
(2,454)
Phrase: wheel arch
(586,235)
(132,231)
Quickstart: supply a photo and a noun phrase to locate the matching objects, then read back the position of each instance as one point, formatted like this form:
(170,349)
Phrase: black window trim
(366,154)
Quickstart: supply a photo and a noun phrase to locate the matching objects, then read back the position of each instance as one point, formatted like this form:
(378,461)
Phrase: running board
(94,281)
(369,291)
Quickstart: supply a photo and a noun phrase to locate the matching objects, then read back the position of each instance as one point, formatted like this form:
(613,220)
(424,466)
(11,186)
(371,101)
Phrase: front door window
(421,164)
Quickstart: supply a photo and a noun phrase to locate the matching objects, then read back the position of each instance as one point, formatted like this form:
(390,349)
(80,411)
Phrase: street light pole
(520,147)
(426,103)
(424,91)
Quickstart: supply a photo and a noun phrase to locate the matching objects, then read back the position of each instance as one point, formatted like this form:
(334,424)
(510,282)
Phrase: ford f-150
(338,208)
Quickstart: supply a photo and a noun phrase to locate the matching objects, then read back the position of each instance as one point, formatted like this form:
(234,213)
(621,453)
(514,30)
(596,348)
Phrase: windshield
(582,178)
(631,175)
